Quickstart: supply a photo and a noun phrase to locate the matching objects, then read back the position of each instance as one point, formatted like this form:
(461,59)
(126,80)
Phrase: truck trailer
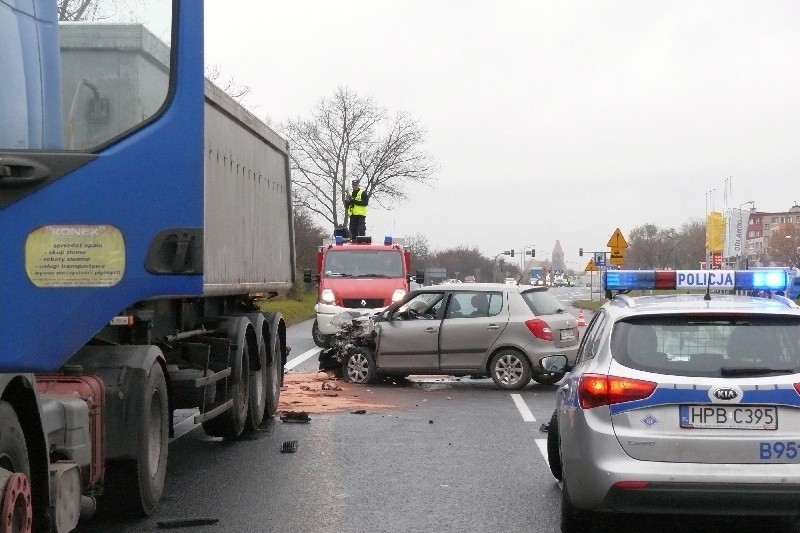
(144,215)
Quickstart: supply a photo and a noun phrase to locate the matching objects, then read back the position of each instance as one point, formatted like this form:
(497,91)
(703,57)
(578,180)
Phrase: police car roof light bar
(745,280)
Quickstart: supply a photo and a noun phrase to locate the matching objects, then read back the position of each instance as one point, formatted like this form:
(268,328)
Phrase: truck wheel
(135,487)
(359,367)
(258,391)
(230,424)
(15,497)
(274,374)
(320,339)
(510,369)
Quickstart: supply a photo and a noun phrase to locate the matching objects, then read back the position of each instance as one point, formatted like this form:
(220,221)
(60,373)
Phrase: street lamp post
(745,244)
(495,265)
(524,254)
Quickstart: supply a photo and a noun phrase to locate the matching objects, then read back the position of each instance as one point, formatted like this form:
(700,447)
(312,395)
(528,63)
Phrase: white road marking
(293,362)
(542,445)
(527,416)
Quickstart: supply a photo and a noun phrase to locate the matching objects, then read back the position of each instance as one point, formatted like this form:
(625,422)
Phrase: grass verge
(295,307)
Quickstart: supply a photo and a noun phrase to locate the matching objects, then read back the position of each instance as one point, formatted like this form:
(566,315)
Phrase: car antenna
(707,296)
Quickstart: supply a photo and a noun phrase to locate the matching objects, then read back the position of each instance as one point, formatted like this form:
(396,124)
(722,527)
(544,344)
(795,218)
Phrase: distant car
(469,279)
(559,282)
(452,280)
(488,329)
(684,404)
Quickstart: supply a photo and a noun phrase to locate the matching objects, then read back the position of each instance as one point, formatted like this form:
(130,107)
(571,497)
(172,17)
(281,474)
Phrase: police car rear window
(709,345)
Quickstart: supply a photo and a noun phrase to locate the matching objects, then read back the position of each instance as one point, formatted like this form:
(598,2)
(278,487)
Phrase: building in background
(760,227)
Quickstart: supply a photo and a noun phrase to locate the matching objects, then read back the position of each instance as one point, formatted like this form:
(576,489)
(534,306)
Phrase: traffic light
(533,253)
(580,252)
(512,253)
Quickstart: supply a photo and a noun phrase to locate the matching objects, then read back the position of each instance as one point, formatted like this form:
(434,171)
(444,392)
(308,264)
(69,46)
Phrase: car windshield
(364,263)
(714,345)
(542,302)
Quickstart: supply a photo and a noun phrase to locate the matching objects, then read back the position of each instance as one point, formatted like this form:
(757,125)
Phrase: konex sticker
(75,256)
(650,421)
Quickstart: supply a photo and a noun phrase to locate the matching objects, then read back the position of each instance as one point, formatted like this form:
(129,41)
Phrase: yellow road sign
(617,251)
(617,240)
(590,266)
(615,259)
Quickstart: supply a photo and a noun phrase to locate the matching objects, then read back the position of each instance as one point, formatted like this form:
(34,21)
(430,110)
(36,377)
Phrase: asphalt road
(457,455)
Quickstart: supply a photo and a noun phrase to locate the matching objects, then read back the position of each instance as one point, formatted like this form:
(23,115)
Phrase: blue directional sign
(599,259)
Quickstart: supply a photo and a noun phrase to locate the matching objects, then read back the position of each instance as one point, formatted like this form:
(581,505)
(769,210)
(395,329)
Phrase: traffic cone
(581,320)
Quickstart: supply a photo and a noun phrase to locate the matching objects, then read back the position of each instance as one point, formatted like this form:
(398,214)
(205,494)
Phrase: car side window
(474,304)
(588,345)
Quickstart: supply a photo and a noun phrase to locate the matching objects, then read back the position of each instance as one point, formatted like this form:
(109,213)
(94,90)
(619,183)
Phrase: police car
(681,403)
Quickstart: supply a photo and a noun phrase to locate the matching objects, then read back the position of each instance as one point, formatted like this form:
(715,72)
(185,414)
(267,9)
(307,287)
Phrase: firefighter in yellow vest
(356,206)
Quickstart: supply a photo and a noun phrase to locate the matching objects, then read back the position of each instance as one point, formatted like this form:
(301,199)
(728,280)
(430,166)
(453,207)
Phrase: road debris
(359,412)
(289,446)
(295,416)
(186,522)
(303,391)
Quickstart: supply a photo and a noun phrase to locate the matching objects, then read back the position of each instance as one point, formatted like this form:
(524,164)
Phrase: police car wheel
(553,447)
(510,369)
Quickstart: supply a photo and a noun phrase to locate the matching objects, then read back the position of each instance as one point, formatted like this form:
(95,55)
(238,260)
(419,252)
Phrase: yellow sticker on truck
(75,256)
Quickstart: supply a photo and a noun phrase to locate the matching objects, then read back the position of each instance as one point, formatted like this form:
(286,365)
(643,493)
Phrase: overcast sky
(548,119)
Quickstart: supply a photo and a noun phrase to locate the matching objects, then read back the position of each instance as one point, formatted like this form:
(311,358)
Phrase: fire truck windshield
(364,263)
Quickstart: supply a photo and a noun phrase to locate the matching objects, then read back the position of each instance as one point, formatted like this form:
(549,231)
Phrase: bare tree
(783,246)
(644,244)
(308,237)
(97,10)
(349,137)
(233,89)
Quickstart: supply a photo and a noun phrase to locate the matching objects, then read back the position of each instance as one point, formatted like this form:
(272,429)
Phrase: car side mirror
(554,364)
(307,277)
(420,277)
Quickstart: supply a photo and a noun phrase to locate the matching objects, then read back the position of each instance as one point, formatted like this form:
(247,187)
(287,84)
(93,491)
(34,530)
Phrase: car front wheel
(510,369)
(320,339)
(359,367)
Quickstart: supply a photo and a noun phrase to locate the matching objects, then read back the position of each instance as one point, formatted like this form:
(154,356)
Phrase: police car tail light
(540,329)
(797,387)
(595,390)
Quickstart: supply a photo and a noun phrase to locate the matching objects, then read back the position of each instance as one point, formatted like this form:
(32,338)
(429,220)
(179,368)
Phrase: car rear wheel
(359,367)
(553,447)
(510,369)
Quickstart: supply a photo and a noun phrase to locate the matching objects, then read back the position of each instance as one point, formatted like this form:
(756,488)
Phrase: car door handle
(20,171)
(430,330)
(492,326)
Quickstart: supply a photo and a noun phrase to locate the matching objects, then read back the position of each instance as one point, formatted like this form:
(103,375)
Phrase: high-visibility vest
(356,209)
